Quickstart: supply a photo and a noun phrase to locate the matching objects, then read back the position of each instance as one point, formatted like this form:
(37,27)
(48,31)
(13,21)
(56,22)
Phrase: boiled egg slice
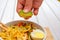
(37,34)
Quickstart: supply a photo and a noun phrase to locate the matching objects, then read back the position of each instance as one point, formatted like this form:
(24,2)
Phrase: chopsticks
(3,26)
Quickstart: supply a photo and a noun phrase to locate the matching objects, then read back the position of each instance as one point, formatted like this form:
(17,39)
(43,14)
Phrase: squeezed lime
(25,15)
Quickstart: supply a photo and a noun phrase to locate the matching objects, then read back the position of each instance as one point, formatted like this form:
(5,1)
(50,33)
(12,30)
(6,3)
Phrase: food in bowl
(22,31)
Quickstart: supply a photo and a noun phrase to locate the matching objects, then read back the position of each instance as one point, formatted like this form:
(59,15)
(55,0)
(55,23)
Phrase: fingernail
(25,10)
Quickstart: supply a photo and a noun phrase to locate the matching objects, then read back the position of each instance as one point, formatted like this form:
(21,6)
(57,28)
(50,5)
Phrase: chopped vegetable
(19,24)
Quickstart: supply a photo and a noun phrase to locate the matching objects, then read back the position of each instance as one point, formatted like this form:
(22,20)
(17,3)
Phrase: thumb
(28,5)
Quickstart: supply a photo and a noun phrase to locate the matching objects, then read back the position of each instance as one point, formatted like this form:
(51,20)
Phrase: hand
(28,5)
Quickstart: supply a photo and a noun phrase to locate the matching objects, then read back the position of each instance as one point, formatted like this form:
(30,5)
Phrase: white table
(48,16)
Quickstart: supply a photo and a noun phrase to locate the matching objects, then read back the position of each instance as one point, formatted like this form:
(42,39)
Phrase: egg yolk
(39,35)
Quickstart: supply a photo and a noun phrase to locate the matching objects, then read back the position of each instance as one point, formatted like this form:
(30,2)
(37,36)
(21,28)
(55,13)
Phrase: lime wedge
(25,15)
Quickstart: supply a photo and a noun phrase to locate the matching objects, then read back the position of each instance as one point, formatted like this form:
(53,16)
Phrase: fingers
(36,5)
(28,5)
(20,5)
(35,11)
(21,1)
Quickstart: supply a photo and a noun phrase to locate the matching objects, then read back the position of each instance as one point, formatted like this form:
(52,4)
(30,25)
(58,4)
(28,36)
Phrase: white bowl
(34,25)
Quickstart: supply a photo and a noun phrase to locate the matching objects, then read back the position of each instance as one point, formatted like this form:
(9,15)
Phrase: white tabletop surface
(48,16)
